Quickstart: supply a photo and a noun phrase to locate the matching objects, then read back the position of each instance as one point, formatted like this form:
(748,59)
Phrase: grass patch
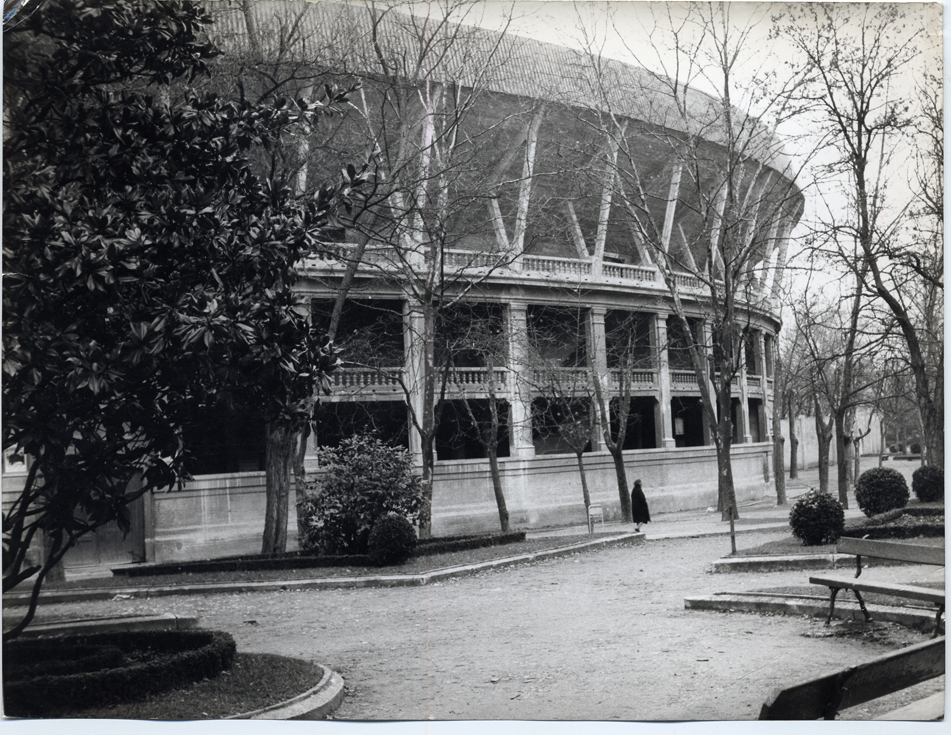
(255,681)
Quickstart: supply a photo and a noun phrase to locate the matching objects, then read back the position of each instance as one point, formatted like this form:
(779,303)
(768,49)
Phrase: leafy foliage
(363,480)
(391,541)
(928,484)
(148,262)
(817,518)
(881,489)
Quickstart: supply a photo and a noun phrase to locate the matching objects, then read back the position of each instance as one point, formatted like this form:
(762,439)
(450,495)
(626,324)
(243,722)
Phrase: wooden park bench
(825,696)
(892,550)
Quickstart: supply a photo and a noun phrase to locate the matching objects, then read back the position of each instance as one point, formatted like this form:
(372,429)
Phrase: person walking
(640,513)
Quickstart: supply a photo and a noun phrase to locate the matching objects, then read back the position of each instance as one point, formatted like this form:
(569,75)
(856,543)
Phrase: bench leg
(862,605)
(937,621)
(833,592)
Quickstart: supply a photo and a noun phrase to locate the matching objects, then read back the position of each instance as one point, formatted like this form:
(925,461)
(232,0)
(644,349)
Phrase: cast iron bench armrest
(908,591)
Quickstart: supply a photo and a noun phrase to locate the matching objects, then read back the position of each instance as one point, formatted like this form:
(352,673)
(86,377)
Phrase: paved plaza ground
(601,635)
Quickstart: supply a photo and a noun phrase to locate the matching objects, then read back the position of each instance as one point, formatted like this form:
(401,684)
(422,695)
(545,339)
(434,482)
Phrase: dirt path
(595,636)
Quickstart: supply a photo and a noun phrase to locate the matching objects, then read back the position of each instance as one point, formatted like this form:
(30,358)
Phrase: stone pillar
(520,381)
(708,351)
(598,361)
(663,421)
(743,418)
(766,413)
(414,371)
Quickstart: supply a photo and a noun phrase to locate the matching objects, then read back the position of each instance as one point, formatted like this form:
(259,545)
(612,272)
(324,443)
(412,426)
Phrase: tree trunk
(624,492)
(497,488)
(842,444)
(824,436)
(584,481)
(279,453)
(793,447)
(856,460)
(779,471)
(726,492)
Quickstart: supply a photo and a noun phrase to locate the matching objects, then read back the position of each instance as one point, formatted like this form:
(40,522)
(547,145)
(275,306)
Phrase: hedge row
(154,661)
(304,560)
(924,527)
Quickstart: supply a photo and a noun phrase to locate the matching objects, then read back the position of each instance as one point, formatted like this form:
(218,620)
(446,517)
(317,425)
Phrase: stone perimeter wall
(218,516)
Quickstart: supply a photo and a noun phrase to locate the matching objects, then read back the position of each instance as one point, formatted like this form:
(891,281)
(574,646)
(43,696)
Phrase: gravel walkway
(596,636)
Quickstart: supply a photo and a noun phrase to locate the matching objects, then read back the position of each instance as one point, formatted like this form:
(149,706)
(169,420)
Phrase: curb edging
(396,580)
(801,605)
(314,704)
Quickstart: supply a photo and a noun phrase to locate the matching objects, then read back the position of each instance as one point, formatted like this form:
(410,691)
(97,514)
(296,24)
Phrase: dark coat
(640,513)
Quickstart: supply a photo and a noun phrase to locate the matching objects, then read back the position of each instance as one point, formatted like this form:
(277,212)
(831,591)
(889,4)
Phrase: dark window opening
(756,419)
(749,349)
(735,415)
(679,343)
(628,339)
(557,335)
(560,426)
(221,441)
(687,417)
(459,438)
(370,332)
(641,433)
(470,335)
(386,420)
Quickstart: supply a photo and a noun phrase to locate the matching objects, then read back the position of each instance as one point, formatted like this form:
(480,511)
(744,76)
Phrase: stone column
(598,360)
(519,387)
(766,427)
(663,422)
(708,350)
(743,418)
(414,371)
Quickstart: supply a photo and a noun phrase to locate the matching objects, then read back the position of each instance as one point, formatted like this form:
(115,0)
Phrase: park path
(595,636)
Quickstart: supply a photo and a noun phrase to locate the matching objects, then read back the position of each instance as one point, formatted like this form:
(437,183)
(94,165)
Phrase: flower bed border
(307,560)
(190,656)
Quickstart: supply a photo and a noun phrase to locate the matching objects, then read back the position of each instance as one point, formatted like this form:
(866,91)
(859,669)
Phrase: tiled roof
(339,36)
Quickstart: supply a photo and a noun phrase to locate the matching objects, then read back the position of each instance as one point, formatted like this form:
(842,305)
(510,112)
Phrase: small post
(732,531)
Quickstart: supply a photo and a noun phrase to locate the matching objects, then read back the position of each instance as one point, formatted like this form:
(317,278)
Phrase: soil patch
(416,565)
(255,681)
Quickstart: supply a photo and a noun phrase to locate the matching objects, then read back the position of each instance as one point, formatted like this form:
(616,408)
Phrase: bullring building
(504,279)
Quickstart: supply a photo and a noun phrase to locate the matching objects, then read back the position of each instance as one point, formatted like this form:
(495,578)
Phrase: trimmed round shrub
(817,518)
(391,541)
(362,480)
(928,484)
(881,489)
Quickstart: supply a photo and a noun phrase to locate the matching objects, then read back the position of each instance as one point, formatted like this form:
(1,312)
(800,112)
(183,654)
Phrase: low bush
(363,479)
(928,484)
(150,662)
(392,541)
(881,489)
(817,518)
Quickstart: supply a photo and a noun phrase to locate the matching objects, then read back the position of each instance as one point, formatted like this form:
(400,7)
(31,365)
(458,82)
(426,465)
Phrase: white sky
(633,31)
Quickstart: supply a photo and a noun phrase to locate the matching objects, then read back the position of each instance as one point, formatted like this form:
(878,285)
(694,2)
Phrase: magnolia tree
(148,262)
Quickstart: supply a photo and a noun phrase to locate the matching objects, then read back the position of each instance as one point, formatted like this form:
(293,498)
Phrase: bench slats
(896,550)
(907,591)
(824,696)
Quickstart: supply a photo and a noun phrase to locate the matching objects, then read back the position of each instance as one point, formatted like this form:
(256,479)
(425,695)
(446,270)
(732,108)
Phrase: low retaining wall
(223,515)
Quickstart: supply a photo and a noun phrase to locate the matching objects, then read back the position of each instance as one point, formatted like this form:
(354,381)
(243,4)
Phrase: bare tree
(857,56)
(728,190)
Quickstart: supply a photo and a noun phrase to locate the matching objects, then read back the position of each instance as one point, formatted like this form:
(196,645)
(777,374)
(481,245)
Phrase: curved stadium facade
(525,200)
